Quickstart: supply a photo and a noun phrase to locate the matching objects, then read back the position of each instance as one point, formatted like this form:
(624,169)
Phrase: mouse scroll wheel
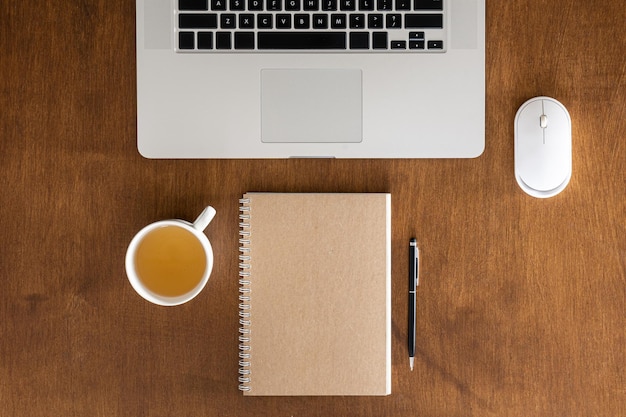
(543,121)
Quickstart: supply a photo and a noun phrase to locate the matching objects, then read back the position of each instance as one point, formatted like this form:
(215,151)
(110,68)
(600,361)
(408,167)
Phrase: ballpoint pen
(413,283)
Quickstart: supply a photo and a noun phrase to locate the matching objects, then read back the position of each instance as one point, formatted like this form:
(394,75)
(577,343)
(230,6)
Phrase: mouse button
(529,133)
(558,136)
(528,120)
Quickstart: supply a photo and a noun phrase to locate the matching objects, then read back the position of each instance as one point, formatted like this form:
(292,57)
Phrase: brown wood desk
(522,301)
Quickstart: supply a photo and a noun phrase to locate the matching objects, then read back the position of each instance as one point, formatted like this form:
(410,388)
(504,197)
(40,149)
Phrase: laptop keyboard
(410,26)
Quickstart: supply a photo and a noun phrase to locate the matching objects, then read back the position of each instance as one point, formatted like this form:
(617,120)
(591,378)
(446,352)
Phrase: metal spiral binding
(244,295)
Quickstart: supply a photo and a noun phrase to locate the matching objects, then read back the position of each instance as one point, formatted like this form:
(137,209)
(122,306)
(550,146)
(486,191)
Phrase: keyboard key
(379,40)
(435,44)
(264,21)
(301,40)
(244,40)
(398,44)
(384,4)
(375,21)
(218,4)
(246,21)
(347,5)
(416,44)
(283,21)
(274,5)
(255,5)
(237,5)
(311,5)
(394,21)
(292,5)
(403,4)
(228,21)
(428,5)
(416,35)
(359,40)
(320,21)
(301,21)
(193,5)
(222,40)
(197,21)
(186,40)
(366,4)
(205,40)
(418,21)
(338,21)
(329,5)
(357,21)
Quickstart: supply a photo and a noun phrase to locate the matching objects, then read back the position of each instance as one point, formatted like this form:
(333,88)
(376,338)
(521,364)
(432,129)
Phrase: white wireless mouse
(543,147)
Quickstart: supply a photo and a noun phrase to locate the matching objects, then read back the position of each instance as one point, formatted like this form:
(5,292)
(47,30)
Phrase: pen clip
(417,267)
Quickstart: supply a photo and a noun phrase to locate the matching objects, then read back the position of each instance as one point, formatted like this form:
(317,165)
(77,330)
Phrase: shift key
(420,21)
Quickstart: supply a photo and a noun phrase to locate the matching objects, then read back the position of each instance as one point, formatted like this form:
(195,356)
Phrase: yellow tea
(170,261)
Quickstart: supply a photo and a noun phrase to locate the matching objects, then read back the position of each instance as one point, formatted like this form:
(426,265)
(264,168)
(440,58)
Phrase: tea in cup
(169,262)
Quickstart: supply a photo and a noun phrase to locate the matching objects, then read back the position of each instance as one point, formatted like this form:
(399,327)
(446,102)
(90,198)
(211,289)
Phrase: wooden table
(522,301)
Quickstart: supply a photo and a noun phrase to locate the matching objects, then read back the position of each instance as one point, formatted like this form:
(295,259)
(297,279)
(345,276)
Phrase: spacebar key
(301,40)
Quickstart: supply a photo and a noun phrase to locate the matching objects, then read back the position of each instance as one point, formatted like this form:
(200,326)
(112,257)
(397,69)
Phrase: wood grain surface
(521,308)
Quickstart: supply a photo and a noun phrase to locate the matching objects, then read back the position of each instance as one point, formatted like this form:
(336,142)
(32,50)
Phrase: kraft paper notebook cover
(315,294)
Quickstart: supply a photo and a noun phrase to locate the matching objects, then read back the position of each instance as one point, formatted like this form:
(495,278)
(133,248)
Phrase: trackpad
(311,105)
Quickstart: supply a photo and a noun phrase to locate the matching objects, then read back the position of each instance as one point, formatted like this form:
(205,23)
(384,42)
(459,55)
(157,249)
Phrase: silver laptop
(310,78)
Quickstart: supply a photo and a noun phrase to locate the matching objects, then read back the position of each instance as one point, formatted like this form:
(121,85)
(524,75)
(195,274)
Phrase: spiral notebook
(315,294)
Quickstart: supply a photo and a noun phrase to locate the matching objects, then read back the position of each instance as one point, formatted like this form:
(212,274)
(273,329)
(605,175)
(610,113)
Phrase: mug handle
(204,218)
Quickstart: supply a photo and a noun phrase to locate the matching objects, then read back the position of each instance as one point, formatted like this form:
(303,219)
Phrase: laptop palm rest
(311,105)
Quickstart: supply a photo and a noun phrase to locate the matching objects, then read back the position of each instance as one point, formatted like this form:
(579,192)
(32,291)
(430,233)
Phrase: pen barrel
(413,271)
(412,329)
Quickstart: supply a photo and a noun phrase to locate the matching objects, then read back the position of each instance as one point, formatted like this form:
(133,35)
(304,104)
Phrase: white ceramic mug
(196,229)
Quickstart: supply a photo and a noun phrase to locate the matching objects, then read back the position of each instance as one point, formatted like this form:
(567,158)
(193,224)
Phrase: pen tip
(411,363)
